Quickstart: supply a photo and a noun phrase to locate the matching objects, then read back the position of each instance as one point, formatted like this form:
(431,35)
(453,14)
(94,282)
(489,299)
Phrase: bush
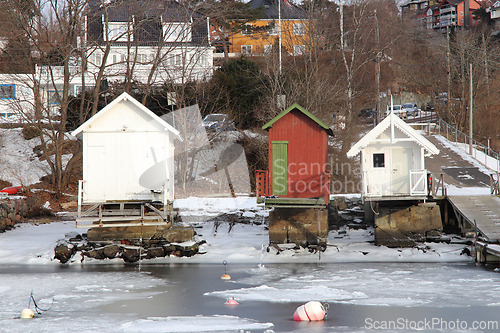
(30,132)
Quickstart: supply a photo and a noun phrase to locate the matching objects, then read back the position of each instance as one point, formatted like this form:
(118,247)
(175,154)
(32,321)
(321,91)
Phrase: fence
(479,151)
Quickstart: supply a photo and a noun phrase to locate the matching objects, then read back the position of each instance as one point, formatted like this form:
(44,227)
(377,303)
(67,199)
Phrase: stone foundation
(301,226)
(405,226)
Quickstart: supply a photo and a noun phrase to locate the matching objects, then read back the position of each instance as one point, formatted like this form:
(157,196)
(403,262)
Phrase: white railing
(418,182)
(481,153)
(80,197)
(378,184)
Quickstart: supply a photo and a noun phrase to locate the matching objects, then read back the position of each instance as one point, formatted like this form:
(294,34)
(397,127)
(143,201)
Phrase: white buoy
(27,314)
(311,311)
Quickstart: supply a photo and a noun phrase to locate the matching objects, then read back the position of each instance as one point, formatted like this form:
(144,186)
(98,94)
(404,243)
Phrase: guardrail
(479,152)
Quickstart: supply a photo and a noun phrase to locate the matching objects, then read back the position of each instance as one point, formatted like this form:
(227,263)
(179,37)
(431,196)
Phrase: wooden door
(280,167)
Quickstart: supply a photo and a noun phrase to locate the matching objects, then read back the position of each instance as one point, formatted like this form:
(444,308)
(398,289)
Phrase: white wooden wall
(125,156)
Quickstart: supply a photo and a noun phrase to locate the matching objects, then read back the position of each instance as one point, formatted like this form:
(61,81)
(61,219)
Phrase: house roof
(149,18)
(392,121)
(288,9)
(296,106)
(127,98)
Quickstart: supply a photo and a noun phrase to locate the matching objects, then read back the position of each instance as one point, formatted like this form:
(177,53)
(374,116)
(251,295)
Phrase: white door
(402,163)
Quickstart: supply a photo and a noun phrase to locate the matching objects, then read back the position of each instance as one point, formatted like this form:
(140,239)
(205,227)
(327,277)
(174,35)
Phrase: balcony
(445,10)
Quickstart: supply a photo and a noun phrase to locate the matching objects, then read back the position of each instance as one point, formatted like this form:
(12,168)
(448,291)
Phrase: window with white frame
(201,60)
(53,97)
(7,91)
(246,29)
(299,29)
(268,48)
(177,32)
(247,49)
(176,60)
(379,160)
(118,31)
(274,30)
(299,49)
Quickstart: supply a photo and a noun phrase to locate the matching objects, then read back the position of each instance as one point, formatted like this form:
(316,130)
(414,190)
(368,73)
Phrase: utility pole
(448,97)
(379,115)
(279,35)
(470,111)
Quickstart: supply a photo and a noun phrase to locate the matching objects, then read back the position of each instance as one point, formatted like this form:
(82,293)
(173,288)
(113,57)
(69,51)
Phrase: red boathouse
(298,156)
(297,183)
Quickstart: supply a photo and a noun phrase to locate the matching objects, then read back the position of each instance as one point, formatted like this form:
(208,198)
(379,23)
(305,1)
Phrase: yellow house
(261,36)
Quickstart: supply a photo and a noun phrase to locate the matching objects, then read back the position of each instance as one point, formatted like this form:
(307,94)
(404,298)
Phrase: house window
(274,30)
(299,49)
(7,91)
(379,160)
(201,60)
(246,29)
(97,59)
(118,31)
(268,48)
(247,49)
(53,97)
(299,29)
(177,32)
(176,60)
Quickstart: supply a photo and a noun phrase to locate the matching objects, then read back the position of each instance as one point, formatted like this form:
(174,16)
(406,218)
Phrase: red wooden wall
(307,154)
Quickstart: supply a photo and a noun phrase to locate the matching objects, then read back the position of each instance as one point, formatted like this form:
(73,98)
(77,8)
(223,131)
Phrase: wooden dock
(481,212)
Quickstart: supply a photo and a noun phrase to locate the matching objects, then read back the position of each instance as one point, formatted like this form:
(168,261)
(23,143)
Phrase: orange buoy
(225,276)
(231,302)
(311,311)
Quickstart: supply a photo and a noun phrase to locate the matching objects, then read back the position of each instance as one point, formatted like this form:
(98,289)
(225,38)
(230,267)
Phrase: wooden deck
(482,211)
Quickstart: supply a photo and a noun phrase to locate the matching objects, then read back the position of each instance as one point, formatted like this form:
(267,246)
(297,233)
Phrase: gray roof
(288,9)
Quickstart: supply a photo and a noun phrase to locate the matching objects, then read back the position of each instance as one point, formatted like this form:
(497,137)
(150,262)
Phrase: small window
(246,49)
(7,91)
(53,97)
(177,32)
(299,49)
(246,29)
(268,48)
(299,29)
(119,31)
(379,160)
(274,29)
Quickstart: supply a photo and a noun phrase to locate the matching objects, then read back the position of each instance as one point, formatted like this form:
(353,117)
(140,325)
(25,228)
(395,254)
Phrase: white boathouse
(393,161)
(395,184)
(128,156)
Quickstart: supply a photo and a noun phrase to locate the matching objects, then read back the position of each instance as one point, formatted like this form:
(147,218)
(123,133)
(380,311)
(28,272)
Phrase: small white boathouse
(128,156)
(393,161)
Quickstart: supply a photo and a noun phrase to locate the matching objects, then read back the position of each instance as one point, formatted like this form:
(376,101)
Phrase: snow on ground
(241,243)
(20,165)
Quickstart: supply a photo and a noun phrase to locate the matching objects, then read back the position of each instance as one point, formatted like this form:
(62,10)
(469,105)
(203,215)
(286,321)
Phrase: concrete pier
(302,226)
(404,226)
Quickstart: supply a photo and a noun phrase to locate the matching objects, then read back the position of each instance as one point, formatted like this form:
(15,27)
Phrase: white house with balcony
(392,159)
(160,41)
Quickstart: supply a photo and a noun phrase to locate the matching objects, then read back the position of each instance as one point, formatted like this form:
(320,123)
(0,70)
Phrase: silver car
(411,109)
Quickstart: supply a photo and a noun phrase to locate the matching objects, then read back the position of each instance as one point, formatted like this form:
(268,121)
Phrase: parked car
(218,122)
(411,109)
(397,109)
